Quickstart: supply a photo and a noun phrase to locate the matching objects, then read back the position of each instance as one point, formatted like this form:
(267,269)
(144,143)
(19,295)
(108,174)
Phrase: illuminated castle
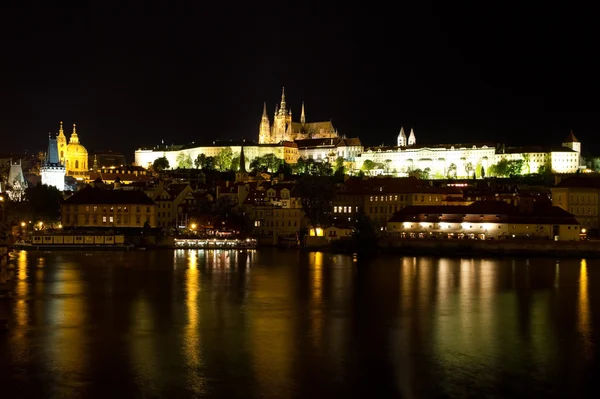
(283,129)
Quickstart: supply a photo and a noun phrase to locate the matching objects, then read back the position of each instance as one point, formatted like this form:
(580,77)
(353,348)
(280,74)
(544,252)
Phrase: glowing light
(23,224)
(193,226)
(583,230)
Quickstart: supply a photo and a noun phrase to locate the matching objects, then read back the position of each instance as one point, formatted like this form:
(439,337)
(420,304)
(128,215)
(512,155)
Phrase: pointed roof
(74,138)
(402,134)
(242,160)
(571,138)
(412,133)
(61,132)
(265,110)
(52,154)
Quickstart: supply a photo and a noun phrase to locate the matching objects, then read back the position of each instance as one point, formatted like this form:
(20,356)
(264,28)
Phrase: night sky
(134,74)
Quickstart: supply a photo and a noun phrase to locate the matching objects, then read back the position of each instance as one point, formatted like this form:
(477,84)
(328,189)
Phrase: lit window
(110,219)
(103,219)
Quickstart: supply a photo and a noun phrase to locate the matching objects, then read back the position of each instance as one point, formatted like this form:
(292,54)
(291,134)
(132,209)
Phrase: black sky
(138,72)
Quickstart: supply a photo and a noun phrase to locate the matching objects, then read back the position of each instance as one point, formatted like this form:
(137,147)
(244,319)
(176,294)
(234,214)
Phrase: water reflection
(198,323)
(584,310)
(192,347)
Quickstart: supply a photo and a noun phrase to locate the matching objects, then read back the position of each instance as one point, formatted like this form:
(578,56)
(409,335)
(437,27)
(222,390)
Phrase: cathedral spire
(283,105)
(60,129)
(264,110)
(302,116)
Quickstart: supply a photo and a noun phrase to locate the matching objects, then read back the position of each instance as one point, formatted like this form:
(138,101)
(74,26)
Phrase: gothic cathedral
(283,129)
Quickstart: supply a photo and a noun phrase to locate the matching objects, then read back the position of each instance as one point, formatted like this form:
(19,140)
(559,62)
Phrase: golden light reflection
(192,348)
(407,276)
(556,275)
(317,317)
(143,344)
(584,310)
(69,319)
(270,331)
(22,290)
(317,276)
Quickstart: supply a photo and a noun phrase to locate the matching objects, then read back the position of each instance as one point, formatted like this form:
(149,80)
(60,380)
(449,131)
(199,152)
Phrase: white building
(287,151)
(53,171)
(329,149)
(462,160)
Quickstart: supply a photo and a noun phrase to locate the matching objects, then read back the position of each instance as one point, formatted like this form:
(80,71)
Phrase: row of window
(118,220)
(111,208)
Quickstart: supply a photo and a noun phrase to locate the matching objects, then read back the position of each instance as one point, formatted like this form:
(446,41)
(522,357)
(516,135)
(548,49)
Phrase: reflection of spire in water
(584,310)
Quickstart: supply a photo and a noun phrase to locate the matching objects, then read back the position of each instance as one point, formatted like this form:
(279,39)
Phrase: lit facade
(464,160)
(579,195)
(73,155)
(95,207)
(53,171)
(484,220)
(286,151)
(283,129)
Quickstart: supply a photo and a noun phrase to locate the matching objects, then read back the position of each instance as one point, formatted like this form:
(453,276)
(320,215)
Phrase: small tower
(74,137)
(264,132)
(574,144)
(402,138)
(302,116)
(412,140)
(241,175)
(61,141)
(52,171)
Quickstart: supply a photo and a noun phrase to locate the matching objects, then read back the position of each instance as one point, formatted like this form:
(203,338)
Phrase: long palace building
(289,140)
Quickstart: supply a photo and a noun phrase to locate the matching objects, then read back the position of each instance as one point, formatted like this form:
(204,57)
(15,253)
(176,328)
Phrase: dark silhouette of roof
(92,195)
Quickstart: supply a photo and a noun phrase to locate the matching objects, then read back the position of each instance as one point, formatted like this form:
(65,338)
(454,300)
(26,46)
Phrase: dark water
(279,324)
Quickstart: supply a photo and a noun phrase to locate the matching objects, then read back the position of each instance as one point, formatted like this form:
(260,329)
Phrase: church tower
(402,138)
(61,141)
(52,171)
(241,175)
(412,140)
(264,132)
(282,122)
(302,116)
(574,144)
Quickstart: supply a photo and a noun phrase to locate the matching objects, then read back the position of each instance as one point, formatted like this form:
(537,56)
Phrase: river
(286,324)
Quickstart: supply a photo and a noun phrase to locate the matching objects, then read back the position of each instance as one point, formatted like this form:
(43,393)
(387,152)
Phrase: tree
(469,168)
(300,167)
(482,172)
(506,168)
(451,173)
(200,161)
(527,161)
(184,160)
(223,159)
(316,194)
(235,163)
(209,163)
(387,166)
(160,164)
(339,164)
(368,166)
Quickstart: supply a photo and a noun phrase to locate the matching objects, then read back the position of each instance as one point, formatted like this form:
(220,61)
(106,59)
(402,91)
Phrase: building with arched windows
(73,155)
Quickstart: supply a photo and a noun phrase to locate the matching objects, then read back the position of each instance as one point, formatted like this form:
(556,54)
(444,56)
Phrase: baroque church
(72,155)
(284,129)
